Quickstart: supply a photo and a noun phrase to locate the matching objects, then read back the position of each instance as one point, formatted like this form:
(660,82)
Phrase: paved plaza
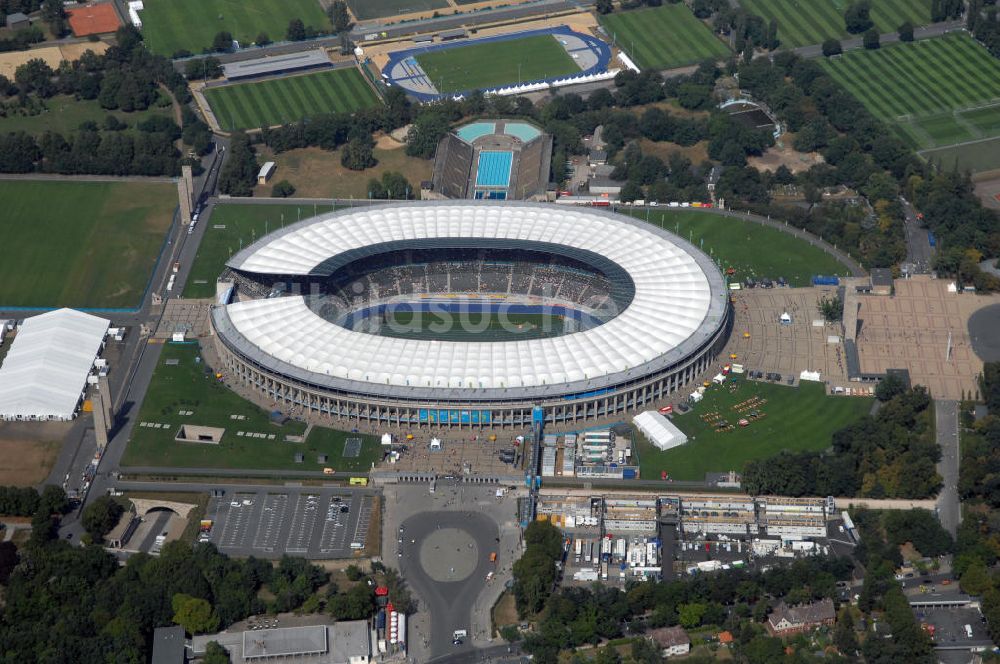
(804,344)
(911,330)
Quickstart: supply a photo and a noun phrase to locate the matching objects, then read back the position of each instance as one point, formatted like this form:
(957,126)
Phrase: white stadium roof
(675,288)
(45,373)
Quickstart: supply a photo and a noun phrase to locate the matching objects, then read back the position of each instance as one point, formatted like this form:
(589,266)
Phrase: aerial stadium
(470,314)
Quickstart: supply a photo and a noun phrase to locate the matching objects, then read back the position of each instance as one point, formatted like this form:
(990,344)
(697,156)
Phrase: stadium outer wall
(561,411)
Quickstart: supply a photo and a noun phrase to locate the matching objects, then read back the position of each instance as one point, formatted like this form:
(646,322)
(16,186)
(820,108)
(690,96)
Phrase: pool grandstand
(493,160)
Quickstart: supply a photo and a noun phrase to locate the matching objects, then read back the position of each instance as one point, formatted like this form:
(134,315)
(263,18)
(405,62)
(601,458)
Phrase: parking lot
(316,523)
(949,627)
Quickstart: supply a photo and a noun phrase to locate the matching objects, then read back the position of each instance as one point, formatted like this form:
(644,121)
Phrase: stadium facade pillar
(100,425)
(106,402)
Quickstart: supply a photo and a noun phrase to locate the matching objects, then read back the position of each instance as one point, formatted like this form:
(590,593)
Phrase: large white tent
(45,373)
(661,431)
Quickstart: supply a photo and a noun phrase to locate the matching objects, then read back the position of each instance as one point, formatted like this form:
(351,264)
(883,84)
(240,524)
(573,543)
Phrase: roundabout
(445,559)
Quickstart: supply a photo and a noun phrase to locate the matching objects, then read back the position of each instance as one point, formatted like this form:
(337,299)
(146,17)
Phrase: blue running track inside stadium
(494,168)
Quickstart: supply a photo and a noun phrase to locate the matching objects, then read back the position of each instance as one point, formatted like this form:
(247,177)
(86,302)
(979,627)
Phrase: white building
(345,642)
(44,376)
(662,433)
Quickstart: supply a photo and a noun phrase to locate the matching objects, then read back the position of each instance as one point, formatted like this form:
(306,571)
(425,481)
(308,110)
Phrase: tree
(690,614)
(194,614)
(339,17)
(357,603)
(222,42)
(53,500)
(354,573)
(100,516)
(357,154)
(976,579)
(296,30)
(832,47)
(263,39)
(843,634)
(857,18)
(239,175)
(906,32)
(604,6)
(630,192)
(215,654)
(282,189)
(889,387)
(871,39)
(831,308)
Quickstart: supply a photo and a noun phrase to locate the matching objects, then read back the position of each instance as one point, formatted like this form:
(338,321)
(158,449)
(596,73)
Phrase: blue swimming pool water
(520,130)
(474,130)
(494,169)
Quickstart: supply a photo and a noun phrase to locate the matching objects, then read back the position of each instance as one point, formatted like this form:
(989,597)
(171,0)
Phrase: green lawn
(935,91)
(663,37)
(805,22)
(81,244)
(241,226)
(364,10)
(976,157)
(496,63)
(794,418)
(169,26)
(289,99)
(737,244)
(190,386)
(64,114)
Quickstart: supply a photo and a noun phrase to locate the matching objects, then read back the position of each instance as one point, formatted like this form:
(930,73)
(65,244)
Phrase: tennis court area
(494,168)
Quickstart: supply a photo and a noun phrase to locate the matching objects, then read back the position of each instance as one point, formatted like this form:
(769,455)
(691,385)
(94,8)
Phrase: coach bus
(359,481)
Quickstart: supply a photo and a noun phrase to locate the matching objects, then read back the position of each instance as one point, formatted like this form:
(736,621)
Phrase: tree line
(889,455)
(127,78)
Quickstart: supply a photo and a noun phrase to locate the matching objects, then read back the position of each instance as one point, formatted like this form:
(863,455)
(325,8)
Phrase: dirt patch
(670,106)
(505,611)
(27,457)
(388,142)
(988,189)
(373,547)
(317,173)
(783,154)
(697,153)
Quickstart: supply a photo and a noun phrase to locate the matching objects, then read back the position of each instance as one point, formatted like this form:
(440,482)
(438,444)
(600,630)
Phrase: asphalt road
(948,506)
(448,603)
(919,253)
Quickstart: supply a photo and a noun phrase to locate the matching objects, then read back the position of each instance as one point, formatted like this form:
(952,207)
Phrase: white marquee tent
(45,373)
(660,430)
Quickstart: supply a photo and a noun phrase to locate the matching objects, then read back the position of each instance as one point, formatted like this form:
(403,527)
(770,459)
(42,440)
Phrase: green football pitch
(364,10)
(469,326)
(787,418)
(81,244)
(736,243)
(805,22)
(181,383)
(937,92)
(289,99)
(663,37)
(496,63)
(231,227)
(169,26)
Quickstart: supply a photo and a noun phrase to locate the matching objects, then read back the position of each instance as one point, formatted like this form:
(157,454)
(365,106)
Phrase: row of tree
(889,455)
(984,23)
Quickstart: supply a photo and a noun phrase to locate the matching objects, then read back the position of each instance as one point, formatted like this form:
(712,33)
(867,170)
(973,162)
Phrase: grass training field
(231,227)
(472,326)
(289,99)
(737,244)
(169,26)
(794,418)
(805,22)
(364,10)
(496,63)
(936,91)
(976,157)
(190,386)
(81,244)
(663,37)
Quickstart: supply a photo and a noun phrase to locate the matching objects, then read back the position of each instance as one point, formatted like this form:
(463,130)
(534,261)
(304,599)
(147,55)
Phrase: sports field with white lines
(663,37)
(805,22)
(282,100)
(937,92)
